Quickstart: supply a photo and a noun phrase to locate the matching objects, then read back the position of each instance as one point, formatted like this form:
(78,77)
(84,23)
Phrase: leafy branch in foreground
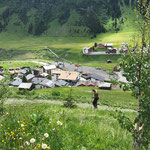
(137,71)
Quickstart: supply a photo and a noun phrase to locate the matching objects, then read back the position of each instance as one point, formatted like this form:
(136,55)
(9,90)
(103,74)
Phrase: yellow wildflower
(48,147)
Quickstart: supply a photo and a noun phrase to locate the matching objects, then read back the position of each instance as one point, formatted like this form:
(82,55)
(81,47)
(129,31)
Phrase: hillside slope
(67,18)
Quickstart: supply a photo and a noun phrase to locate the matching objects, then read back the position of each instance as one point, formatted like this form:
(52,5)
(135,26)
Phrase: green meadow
(70,48)
(39,126)
(116,98)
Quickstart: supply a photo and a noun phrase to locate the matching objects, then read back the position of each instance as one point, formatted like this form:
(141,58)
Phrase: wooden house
(100,45)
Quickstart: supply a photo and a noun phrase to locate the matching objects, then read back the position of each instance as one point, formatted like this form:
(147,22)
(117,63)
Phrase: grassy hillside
(78,128)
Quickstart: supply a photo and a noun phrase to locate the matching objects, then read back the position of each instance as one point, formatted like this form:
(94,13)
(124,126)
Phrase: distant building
(105,86)
(16,82)
(47,69)
(111,51)
(87,50)
(27,86)
(95,77)
(100,45)
(29,77)
(14,70)
(108,45)
(66,75)
(124,48)
(60,83)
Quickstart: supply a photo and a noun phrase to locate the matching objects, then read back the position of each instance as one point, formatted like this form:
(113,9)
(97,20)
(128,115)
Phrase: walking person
(96,97)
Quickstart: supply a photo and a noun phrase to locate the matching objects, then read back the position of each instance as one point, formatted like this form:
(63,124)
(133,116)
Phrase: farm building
(16,82)
(29,77)
(87,50)
(108,45)
(111,51)
(66,75)
(100,45)
(105,86)
(14,70)
(47,69)
(27,86)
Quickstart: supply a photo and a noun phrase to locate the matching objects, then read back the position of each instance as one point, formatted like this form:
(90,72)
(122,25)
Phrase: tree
(24,79)
(137,71)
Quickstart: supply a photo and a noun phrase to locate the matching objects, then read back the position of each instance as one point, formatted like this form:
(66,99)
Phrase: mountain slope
(61,18)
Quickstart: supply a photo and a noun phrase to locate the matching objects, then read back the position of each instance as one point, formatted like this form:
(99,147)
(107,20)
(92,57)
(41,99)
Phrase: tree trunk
(136,144)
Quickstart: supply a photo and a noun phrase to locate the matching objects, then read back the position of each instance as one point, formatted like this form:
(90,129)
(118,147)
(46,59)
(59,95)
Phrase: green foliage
(24,79)
(55,93)
(66,128)
(137,71)
(69,100)
(38,17)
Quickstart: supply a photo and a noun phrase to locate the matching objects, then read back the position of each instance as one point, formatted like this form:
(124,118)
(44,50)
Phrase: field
(116,98)
(70,48)
(11,64)
(77,128)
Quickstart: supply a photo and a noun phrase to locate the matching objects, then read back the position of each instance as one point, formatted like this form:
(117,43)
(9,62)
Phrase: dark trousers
(95,102)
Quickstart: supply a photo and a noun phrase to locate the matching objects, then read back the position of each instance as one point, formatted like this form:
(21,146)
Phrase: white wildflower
(44,146)
(54,129)
(27,143)
(22,125)
(59,123)
(46,135)
(32,140)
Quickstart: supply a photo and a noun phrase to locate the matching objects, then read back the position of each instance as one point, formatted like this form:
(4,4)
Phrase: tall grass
(67,129)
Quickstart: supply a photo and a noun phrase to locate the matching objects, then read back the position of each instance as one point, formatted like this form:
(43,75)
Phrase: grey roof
(25,86)
(44,74)
(48,83)
(97,77)
(61,83)
(24,71)
(37,80)
(16,82)
(105,85)
(50,67)
(30,76)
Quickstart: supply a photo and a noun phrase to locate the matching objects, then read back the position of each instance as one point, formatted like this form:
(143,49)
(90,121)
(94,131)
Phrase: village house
(105,86)
(60,83)
(14,70)
(48,83)
(108,45)
(87,50)
(26,86)
(44,74)
(94,77)
(35,72)
(124,48)
(71,76)
(47,69)
(17,81)
(111,50)
(29,77)
(87,83)
(37,82)
(101,45)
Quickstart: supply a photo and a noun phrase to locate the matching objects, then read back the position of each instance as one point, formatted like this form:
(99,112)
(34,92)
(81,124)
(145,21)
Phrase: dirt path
(82,105)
